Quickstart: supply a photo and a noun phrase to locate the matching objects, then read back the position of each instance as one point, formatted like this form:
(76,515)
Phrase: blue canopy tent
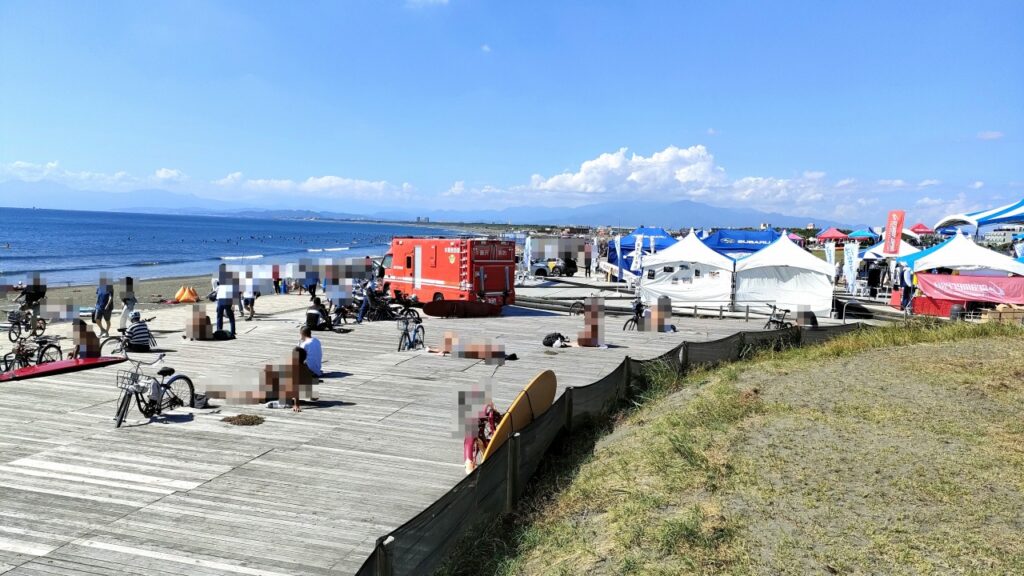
(865,233)
(739,243)
(662,240)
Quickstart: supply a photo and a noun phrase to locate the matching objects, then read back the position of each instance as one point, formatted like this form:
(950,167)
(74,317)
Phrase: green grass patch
(893,450)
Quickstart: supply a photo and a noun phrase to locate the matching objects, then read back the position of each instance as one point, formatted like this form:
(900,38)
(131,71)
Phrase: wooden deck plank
(303,493)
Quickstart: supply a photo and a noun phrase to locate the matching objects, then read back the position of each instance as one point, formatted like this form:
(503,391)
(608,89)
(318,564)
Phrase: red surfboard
(59,367)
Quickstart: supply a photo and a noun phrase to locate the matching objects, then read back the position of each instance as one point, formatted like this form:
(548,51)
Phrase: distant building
(1002,234)
(811,226)
(422,219)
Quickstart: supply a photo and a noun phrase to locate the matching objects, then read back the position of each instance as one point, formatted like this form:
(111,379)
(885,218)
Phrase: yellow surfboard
(533,400)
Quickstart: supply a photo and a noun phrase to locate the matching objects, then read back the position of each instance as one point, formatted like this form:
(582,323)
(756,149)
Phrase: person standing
(907,283)
(368,292)
(128,301)
(225,305)
(104,306)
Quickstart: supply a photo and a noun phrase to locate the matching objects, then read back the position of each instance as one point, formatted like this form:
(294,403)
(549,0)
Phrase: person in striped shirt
(138,334)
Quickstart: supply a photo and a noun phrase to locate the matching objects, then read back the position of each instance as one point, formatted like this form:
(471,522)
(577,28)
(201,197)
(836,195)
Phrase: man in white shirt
(314,352)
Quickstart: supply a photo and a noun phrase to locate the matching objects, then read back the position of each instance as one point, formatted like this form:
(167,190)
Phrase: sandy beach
(150,293)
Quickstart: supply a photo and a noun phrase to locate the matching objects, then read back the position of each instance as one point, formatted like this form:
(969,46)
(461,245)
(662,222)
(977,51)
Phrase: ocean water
(75,247)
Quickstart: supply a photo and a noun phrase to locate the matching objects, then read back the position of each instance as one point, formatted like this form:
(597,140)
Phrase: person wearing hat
(138,334)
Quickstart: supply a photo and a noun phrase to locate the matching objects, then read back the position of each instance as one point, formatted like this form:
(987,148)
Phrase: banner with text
(850,264)
(830,253)
(893,232)
(972,288)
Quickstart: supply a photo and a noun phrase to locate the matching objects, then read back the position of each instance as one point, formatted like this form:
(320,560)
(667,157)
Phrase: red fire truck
(467,269)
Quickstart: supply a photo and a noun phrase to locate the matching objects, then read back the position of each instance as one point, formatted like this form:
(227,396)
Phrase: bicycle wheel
(410,313)
(123,405)
(403,342)
(38,327)
(181,388)
(629,325)
(419,337)
(576,309)
(49,353)
(112,346)
(14,332)
(6,363)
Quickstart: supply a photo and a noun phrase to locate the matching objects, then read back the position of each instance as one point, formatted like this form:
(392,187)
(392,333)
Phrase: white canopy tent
(689,273)
(786,275)
(961,253)
(876,252)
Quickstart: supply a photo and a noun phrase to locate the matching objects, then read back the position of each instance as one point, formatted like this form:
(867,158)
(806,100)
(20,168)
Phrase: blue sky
(835,109)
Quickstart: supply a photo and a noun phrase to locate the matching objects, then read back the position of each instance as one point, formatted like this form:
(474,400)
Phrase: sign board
(893,232)
(997,289)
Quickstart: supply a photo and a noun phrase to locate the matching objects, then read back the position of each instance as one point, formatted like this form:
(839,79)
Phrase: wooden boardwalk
(303,493)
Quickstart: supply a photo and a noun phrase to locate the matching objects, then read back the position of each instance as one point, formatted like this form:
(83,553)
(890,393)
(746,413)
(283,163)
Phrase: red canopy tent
(832,234)
(920,228)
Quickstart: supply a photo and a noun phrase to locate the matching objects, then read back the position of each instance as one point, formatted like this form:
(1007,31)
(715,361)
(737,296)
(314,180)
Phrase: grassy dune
(897,450)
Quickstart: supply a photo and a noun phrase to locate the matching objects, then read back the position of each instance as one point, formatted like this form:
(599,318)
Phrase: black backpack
(554,338)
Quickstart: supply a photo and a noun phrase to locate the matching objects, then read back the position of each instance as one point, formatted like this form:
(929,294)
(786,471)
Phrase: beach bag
(554,338)
(222,335)
(201,401)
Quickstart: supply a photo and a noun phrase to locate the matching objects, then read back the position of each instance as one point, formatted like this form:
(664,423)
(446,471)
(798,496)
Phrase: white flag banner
(830,253)
(850,264)
(638,254)
(619,260)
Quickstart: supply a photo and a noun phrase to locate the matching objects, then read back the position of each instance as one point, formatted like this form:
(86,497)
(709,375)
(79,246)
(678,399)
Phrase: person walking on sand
(128,301)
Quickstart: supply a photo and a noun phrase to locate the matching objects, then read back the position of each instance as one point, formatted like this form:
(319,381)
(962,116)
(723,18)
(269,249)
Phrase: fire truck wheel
(438,296)
(541,273)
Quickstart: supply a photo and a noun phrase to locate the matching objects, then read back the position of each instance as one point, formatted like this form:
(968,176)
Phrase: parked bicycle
(777,319)
(403,305)
(152,396)
(638,316)
(118,345)
(29,352)
(576,308)
(413,334)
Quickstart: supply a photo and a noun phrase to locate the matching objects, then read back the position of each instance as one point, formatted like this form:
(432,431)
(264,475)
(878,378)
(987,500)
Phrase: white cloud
(990,135)
(896,183)
(321,186)
(52,171)
(712,132)
(485,48)
(928,201)
(928,182)
(169,175)
(845,182)
(672,171)
(230,179)
(976,185)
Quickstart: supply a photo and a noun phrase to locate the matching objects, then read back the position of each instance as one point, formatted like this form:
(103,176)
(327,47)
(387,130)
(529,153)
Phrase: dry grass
(897,450)
(244,419)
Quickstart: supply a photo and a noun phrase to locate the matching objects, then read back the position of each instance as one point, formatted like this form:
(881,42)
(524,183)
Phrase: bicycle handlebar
(142,363)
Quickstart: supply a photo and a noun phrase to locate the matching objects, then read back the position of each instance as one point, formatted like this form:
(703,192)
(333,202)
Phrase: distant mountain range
(677,214)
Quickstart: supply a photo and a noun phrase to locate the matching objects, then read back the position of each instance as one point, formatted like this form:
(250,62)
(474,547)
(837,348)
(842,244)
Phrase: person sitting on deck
(138,334)
(317,316)
(87,344)
(314,351)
